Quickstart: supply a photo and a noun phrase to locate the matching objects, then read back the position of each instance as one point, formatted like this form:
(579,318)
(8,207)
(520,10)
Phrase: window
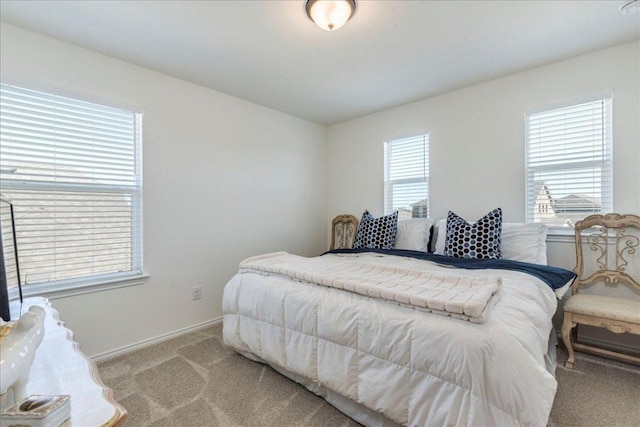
(568,161)
(406,177)
(72,170)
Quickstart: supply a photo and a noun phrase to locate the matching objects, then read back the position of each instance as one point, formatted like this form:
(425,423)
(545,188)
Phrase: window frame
(389,183)
(100,282)
(566,233)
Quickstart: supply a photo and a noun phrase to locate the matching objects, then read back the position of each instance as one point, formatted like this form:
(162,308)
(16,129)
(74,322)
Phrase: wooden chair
(614,242)
(343,231)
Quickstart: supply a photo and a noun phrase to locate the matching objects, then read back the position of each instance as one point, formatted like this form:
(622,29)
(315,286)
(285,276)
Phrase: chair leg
(567,325)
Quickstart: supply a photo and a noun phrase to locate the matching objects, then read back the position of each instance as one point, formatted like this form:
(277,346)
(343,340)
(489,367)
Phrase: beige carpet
(193,380)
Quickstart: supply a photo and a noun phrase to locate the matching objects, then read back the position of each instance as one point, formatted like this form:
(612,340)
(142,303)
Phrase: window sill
(561,236)
(77,288)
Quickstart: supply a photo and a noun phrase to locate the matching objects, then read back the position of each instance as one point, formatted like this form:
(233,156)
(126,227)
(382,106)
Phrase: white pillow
(524,242)
(413,234)
(440,236)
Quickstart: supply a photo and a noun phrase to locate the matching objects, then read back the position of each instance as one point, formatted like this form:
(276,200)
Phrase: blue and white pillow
(377,233)
(479,240)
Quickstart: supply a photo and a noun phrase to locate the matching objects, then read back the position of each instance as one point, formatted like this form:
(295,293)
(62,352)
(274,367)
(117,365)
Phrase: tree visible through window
(406,177)
(569,161)
(72,170)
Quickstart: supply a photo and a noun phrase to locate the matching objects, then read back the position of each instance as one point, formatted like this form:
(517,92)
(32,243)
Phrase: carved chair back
(613,241)
(343,233)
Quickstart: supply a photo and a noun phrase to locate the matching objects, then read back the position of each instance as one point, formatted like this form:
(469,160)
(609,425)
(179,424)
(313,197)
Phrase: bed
(384,361)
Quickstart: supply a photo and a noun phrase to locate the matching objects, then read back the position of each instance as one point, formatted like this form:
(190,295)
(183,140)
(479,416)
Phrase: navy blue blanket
(553,276)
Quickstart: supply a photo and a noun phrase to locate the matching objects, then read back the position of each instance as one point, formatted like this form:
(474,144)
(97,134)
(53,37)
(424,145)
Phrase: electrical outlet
(196,293)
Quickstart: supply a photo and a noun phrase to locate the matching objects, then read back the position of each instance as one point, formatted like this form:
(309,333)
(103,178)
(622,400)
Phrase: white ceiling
(390,53)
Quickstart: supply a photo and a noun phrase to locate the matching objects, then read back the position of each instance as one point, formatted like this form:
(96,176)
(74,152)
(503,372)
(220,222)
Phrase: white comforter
(415,368)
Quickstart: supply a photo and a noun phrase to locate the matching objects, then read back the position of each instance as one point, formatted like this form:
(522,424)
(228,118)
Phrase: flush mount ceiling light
(630,8)
(330,14)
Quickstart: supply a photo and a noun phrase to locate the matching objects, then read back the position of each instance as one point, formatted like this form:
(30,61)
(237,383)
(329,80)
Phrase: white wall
(223,179)
(477,143)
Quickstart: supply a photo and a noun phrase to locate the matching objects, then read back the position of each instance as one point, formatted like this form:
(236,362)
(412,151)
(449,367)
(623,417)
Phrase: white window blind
(406,177)
(568,162)
(72,170)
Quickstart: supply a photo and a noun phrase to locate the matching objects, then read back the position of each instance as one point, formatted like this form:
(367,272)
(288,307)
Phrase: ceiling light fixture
(330,14)
(630,8)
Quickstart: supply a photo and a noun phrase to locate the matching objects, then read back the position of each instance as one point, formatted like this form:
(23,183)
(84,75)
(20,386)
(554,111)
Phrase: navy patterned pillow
(479,240)
(377,233)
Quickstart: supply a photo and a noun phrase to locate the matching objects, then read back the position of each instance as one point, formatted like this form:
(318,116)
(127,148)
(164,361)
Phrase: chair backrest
(613,240)
(343,232)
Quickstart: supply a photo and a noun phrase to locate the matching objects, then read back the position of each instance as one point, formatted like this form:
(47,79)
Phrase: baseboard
(623,348)
(141,344)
